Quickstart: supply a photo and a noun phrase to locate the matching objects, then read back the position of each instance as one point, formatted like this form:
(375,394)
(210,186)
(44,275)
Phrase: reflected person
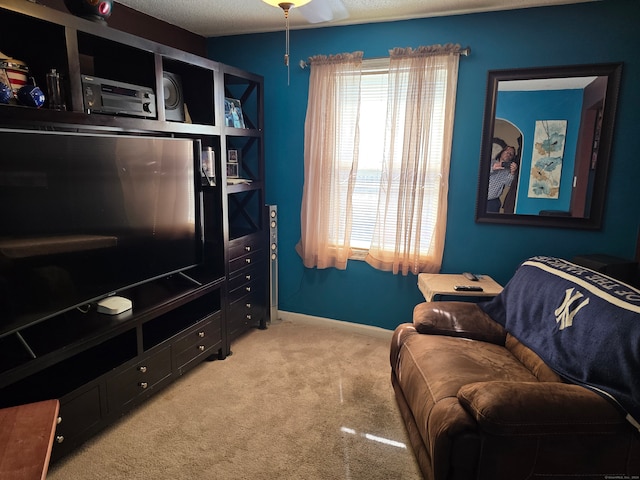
(503,169)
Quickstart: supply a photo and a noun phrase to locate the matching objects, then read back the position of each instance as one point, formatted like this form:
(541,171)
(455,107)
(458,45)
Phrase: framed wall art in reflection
(546,161)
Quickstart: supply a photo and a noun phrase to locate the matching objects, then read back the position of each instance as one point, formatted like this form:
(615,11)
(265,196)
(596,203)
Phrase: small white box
(114,305)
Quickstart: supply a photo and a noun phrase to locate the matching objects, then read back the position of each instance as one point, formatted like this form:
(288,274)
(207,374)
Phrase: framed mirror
(546,143)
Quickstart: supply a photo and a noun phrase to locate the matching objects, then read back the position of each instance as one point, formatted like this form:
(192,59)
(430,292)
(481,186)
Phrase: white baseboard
(350,326)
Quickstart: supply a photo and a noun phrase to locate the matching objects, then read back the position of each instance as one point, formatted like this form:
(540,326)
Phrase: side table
(27,439)
(435,284)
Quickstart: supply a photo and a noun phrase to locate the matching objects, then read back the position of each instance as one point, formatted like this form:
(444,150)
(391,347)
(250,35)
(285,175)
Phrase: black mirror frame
(613,71)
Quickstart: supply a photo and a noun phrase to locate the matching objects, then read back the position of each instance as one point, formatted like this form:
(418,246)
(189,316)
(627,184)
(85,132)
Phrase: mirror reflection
(546,120)
(545,145)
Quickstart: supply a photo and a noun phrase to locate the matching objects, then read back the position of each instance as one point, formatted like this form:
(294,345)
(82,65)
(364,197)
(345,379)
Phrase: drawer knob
(201,348)
(247,260)
(143,385)
(247,248)
(248,316)
(248,305)
(59,420)
(142,369)
(248,289)
(247,277)
(201,334)
(59,438)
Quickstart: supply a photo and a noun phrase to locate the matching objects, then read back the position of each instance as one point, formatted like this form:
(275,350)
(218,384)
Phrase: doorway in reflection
(507,134)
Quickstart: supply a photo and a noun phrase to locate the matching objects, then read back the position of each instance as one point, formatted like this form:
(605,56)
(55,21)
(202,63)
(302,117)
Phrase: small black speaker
(173,97)
(95,10)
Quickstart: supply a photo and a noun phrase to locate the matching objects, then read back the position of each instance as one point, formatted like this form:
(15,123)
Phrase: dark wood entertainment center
(101,366)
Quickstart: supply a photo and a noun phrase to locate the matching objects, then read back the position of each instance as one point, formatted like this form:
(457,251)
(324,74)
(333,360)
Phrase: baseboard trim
(360,328)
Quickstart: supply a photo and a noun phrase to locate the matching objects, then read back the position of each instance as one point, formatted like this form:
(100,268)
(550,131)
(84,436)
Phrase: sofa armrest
(457,319)
(539,408)
(400,335)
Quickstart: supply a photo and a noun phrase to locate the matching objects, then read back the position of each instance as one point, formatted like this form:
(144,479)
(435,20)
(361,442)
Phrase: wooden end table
(433,285)
(26,440)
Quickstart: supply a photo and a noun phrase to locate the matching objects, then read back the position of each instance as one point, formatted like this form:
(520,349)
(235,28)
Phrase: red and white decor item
(13,73)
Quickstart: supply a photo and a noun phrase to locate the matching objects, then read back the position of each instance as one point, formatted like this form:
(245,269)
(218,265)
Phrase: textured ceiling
(212,18)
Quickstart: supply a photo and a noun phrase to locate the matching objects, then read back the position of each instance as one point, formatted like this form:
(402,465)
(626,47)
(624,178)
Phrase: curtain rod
(465,52)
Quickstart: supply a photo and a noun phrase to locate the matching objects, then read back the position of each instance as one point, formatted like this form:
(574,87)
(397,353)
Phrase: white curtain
(331,140)
(412,209)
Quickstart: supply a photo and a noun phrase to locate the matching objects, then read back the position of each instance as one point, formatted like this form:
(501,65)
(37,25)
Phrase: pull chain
(286,7)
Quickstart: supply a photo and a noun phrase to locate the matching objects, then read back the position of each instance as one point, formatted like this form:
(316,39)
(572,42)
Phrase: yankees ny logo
(565,312)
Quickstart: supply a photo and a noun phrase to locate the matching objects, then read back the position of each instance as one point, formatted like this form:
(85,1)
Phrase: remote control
(470,276)
(467,288)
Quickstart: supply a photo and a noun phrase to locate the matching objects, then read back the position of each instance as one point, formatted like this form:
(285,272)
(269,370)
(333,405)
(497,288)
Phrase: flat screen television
(83,216)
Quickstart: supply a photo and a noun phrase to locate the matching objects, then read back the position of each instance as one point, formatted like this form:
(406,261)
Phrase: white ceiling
(569,83)
(213,18)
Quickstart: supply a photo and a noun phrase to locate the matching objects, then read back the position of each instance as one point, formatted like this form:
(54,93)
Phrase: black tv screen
(85,215)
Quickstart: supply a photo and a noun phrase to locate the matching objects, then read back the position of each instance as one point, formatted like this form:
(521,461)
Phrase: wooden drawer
(200,341)
(243,319)
(256,284)
(245,245)
(257,296)
(255,272)
(80,416)
(245,312)
(246,261)
(138,380)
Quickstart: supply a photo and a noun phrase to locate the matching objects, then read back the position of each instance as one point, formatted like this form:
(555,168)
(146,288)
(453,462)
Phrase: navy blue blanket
(583,324)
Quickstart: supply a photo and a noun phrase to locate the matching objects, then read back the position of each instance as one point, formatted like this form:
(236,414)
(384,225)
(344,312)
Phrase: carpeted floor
(304,399)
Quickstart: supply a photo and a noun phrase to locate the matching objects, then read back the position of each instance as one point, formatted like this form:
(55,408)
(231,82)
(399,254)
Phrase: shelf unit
(98,366)
(247,235)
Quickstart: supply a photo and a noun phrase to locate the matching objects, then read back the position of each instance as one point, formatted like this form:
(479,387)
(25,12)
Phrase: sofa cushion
(549,430)
(431,369)
(539,408)
(531,360)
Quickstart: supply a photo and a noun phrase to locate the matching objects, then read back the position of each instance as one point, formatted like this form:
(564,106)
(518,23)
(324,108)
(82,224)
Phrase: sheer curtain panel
(412,205)
(331,140)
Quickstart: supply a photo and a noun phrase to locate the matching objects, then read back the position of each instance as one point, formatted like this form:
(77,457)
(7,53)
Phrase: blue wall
(596,32)
(523,109)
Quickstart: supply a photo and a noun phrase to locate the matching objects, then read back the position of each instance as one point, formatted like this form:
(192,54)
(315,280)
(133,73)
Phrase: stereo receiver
(118,98)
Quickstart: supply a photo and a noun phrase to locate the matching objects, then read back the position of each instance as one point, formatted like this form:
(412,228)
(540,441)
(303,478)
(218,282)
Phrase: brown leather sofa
(479,404)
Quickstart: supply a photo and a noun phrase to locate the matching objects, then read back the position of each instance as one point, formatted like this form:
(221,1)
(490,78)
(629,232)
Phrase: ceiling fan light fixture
(286,6)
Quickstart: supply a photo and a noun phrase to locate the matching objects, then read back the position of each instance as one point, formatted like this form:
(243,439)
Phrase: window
(373,110)
(377,147)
